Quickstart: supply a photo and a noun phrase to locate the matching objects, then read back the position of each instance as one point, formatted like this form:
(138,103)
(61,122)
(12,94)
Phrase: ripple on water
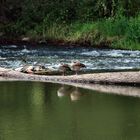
(9,46)
(25,51)
(90,53)
(92,58)
(114,53)
(2,58)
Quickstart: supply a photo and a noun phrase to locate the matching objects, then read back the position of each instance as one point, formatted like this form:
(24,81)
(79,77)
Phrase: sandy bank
(103,82)
(120,78)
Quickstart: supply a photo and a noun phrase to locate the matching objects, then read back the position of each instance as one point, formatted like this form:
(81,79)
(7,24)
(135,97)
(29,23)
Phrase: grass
(116,32)
(125,32)
(119,32)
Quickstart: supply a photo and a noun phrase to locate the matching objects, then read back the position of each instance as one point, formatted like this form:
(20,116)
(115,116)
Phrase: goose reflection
(64,91)
(73,92)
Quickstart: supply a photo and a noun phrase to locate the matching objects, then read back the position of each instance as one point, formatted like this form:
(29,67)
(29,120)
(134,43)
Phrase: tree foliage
(50,18)
(65,10)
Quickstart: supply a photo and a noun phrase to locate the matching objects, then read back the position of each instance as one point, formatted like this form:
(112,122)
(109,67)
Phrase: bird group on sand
(75,66)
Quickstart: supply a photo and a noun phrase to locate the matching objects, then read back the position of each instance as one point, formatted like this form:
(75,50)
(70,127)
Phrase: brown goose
(76,66)
(64,68)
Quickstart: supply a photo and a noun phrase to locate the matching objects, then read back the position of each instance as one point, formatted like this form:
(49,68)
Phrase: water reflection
(75,95)
(73,92)
(33,111)
(64,91)
(112,89)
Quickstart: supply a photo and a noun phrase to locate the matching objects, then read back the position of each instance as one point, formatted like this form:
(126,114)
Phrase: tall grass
(125,33)
(116,32)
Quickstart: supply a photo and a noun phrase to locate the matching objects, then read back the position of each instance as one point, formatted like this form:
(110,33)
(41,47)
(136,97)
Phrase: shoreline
(99,81)
(60,43)
(133,91)
(107,78)
(53,42)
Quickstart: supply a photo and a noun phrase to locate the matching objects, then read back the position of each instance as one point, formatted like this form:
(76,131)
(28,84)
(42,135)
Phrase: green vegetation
(95,22)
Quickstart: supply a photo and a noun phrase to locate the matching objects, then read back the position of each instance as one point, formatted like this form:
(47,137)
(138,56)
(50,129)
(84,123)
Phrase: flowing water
(46,111)
(12,56)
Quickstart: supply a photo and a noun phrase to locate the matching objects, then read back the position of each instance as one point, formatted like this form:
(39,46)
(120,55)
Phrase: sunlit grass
(119,32)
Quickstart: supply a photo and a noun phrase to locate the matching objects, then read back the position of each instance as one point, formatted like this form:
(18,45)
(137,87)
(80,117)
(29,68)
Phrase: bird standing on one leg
(64,68)
(76,66)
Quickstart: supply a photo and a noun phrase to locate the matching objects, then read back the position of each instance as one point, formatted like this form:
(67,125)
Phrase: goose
(64,68)
(27,69)
(38,68)
(76,66)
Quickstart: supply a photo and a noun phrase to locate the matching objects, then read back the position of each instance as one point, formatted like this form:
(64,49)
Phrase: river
(11,56)
(40,111)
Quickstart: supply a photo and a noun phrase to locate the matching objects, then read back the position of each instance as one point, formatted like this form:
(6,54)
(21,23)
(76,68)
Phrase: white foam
(2,58)
(25,51)
(122,68)
(12,46)
(115,54)
(91,53)
(9,46)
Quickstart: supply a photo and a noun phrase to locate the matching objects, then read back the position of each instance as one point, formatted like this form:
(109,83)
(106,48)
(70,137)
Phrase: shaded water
(40,111)
(51,56)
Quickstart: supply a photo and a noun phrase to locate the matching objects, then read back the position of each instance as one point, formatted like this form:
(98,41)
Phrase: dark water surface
(46,111)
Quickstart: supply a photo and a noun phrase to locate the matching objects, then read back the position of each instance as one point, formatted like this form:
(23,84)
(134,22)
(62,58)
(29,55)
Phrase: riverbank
(116,78)
(119,83)
(115,33)
(49,42)
(98,24)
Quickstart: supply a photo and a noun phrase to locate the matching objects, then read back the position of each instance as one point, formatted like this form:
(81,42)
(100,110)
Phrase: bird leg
(63,73)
